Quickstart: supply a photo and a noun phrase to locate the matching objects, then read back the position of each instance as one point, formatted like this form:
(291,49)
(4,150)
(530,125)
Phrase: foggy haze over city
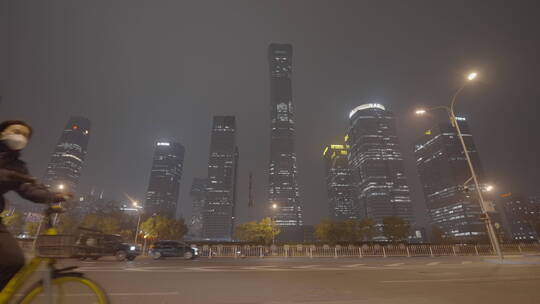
(270,151)
(144,72)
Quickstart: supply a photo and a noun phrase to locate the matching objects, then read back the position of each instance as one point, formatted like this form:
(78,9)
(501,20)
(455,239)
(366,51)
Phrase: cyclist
(14,176)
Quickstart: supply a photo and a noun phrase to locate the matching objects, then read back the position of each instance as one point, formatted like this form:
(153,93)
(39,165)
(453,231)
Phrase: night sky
(149,70)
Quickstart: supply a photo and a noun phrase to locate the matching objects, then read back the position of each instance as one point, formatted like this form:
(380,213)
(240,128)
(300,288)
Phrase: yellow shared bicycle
(58,285)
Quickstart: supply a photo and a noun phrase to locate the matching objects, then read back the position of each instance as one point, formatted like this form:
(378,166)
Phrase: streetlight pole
(138,224)
(489,225)
(274,207)
(487,218)
(136,205)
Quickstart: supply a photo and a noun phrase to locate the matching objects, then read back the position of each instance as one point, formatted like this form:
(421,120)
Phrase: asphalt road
(323,280)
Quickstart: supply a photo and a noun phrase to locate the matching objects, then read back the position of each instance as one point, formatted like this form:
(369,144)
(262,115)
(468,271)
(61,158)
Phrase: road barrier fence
(366,250)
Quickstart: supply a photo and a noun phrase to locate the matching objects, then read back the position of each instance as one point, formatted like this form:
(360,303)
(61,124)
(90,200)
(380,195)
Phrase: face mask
(15,141)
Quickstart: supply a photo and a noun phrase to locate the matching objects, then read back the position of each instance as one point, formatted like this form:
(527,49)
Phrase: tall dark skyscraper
(67,161)
(164,184)
(219,209)
(519,216)
(339,183)
(283,184)
(198,197)
(376,160)
(443,170)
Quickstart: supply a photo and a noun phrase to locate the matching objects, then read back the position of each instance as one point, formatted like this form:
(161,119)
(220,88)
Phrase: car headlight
(132,248)
(196,250)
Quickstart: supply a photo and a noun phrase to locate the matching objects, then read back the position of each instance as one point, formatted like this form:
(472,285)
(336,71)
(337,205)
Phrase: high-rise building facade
(198,197)
(377,164)
(219,209)
(64,169)
(519,216)
(165,177)
(283,185)
(339,183)
(443,170)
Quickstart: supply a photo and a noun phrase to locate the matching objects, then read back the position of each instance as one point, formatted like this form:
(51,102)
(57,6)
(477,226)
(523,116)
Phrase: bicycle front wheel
(66,289)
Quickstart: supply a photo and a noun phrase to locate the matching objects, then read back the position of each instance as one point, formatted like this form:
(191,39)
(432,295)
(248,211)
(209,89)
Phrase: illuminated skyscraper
(164,183)
(198,196)
(377,164)
(443,170)
(519,216)
(219,213)
(339,183)
(283,184)
(67,161)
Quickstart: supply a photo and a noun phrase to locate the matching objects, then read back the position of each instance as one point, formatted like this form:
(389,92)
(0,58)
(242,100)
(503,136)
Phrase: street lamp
(61,187)
(453,120)
(489,188)
(274,208)
(138,208)
(472,76)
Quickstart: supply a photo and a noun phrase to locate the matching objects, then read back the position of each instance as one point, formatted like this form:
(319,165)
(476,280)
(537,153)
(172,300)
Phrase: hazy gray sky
(148,70)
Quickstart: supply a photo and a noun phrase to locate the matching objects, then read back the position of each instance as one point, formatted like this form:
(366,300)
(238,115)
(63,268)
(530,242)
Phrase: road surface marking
(466,262)
(479,279)
(395,264)
(306,266)
(433,263)
(201,269)
(171,293)
(354,265)
(257,267)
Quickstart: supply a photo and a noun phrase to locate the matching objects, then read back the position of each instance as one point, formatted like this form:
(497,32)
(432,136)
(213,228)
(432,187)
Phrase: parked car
(94,245)
(163,249)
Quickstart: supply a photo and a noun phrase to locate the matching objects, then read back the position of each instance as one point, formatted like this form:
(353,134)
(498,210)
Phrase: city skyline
(136,92)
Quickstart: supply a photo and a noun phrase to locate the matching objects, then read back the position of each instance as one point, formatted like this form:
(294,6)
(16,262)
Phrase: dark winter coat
(10,162)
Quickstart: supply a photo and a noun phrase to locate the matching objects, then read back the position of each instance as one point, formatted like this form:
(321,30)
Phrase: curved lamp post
(453,120)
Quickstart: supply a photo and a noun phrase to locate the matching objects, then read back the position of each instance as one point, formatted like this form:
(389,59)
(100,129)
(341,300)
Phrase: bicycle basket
(56,246)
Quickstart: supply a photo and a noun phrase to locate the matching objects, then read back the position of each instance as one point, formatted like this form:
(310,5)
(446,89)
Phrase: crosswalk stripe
(466,262)
(395,264)
(433,263)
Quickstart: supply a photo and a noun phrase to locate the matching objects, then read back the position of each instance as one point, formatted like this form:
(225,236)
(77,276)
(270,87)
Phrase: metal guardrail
(376,250)
(366,250)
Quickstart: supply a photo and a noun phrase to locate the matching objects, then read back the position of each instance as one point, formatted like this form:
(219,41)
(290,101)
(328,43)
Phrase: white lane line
(466,262)
(257,267)
(433,263)
(354,265)
(480,279)
(306,266)
(395,264)
(201,269)
(123,294)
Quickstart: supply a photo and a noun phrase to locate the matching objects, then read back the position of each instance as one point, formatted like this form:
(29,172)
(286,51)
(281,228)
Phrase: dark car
(163,249)
(94,245)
